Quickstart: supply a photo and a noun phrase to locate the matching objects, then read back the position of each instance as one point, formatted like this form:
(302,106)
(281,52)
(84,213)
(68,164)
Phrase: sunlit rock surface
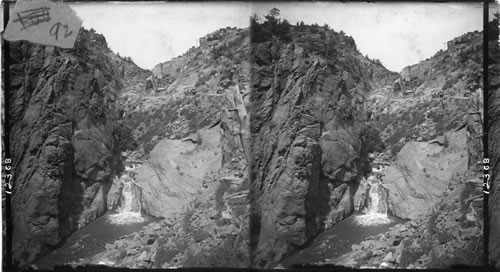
(422,173)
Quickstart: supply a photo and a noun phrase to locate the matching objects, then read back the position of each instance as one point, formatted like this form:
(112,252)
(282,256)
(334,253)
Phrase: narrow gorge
(340,143)
(278,145)
(112,146)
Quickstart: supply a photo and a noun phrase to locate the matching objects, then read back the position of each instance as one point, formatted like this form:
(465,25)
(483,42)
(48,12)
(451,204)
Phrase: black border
(7,239)
(486,228)
(7,242)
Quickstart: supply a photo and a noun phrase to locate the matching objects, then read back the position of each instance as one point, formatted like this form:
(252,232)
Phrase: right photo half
(366,124)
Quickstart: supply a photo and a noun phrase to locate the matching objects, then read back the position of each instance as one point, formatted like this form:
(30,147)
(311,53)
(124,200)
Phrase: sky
(399,34)
(155,32)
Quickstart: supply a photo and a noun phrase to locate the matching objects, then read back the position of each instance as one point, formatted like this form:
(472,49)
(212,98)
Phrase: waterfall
(376,208)
(130,199)
(376,204)
(130,204)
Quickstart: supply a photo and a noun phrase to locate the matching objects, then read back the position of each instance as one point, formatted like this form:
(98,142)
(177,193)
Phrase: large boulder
(173,173)
(423,172)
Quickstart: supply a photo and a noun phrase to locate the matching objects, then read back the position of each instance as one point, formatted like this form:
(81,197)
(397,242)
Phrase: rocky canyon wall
(431,119)
(307,117)
(62,123)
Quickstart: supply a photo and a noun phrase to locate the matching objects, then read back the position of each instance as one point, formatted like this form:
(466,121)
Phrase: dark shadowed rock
(63,151)
(308,156)
(494,146)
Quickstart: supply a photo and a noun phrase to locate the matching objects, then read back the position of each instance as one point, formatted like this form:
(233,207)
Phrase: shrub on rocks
(372,140)
(444,237)
(199,235)
(164,255)
(365,256)
(409,253)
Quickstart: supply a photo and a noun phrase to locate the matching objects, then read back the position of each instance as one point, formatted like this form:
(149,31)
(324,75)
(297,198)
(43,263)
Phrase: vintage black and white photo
(249,135)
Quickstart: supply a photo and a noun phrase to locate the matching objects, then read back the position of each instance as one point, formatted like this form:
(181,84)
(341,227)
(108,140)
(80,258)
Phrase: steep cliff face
(494,143)
(309,86)
(62,137)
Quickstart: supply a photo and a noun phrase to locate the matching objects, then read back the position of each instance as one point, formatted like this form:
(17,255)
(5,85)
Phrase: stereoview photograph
(238,134)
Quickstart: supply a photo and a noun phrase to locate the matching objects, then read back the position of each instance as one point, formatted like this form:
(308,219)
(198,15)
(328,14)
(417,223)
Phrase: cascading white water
(130,205)
(376,210)
(376,204)
(130,202)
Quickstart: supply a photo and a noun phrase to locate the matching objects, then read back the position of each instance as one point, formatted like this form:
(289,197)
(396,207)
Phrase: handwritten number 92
(59,27)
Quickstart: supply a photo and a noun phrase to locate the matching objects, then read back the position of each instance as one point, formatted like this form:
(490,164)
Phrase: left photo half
(129,147)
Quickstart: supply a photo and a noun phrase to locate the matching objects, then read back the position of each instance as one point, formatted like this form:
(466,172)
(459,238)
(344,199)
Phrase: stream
(91,240)
(338,240)
(330,244)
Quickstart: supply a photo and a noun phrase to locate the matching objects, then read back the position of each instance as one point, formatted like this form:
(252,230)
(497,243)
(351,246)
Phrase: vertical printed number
(486,176)
(8,176)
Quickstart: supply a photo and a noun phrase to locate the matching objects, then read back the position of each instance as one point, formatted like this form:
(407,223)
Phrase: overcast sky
(155,32)
(399,34)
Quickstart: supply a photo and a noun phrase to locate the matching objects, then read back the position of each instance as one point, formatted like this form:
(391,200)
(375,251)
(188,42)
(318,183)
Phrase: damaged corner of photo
(43,22)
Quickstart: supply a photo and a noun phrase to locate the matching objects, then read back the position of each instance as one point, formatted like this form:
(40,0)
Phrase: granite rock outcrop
(63,141)
(307,120)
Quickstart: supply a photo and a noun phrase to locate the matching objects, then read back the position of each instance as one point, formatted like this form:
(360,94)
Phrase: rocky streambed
(200,237)
(337,241)
(450,235)
(445,232)
(82,245)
